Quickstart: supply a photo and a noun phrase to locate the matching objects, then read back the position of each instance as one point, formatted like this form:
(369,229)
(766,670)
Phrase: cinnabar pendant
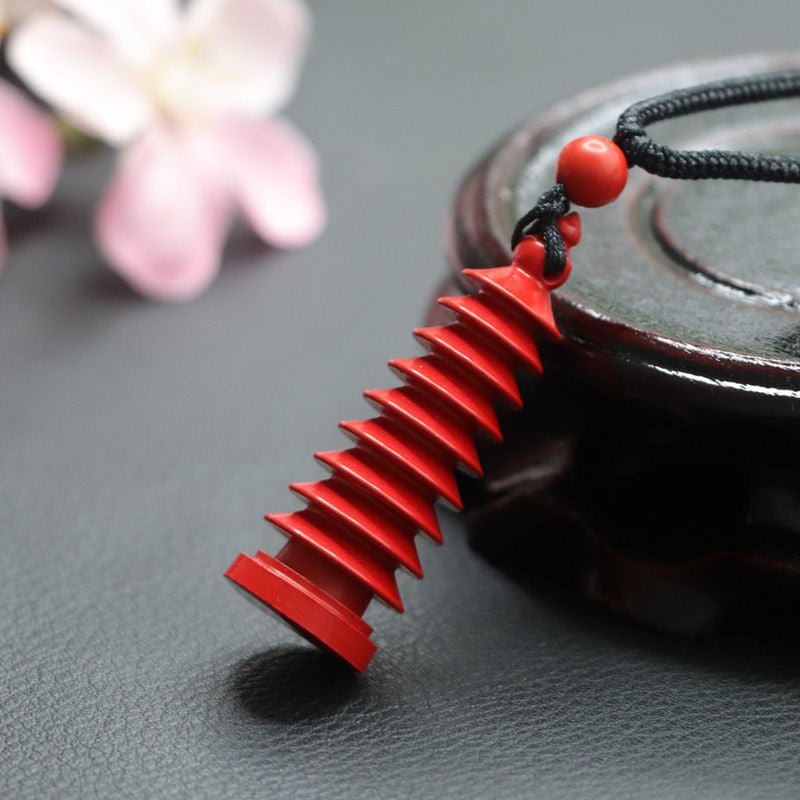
(359,524)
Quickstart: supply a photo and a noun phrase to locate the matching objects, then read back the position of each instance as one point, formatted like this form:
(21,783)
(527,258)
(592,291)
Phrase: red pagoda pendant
(359,524)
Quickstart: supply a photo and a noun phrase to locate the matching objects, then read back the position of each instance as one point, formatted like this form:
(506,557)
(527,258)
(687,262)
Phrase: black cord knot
(631,139)
(543,219)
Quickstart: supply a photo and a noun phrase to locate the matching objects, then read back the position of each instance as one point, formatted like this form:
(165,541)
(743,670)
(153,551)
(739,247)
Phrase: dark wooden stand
(657,461)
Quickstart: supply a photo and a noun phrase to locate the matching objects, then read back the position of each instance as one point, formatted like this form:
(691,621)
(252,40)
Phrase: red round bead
(593,170)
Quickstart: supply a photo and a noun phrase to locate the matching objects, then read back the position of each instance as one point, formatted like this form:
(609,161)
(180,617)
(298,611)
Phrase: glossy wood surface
(684,293)
(654,463)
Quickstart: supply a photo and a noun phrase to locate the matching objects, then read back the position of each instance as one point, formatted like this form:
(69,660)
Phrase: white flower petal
(163,220)
(246,53)
(30,149)
(138,29)
(272,173)
(80,74)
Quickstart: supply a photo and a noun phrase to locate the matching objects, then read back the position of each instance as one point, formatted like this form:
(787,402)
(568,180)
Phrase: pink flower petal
(80,73)
(272,174)
(163,220)
(30,149)
(249,52)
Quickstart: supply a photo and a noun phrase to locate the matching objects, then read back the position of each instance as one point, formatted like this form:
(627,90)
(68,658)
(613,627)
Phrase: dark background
(141,443)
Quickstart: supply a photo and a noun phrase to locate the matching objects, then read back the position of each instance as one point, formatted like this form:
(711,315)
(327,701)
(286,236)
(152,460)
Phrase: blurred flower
(187,91)
(30,152)
(30,147)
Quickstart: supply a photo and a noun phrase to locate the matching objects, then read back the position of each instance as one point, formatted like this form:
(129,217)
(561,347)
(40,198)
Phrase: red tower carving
(359,524)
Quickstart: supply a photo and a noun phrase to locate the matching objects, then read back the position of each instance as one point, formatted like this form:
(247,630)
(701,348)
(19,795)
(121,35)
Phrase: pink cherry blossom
(30,153)
(190,92)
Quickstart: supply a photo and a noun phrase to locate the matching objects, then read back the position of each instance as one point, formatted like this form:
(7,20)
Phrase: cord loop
(543,219)
(658,159)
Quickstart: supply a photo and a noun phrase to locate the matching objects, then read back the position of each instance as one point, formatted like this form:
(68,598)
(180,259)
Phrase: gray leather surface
(140,444)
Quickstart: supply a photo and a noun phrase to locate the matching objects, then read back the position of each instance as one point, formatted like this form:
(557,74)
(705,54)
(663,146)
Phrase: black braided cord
(658,159)
(543,219)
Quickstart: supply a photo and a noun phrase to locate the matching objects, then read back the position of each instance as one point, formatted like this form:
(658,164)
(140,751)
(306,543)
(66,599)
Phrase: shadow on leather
(760,645)
(293,684)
